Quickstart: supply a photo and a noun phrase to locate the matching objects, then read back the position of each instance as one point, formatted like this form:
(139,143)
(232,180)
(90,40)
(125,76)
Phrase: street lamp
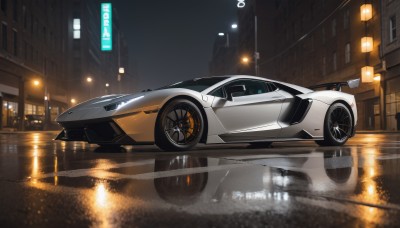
(121,72)
(36,83)
(89,81)
(73,101)
(107,85)
(234,26)
(245,60)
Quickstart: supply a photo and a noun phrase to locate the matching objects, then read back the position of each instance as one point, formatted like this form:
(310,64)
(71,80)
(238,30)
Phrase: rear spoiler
(354,83)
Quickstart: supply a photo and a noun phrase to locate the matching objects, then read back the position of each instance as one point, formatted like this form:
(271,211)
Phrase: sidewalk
(15,131)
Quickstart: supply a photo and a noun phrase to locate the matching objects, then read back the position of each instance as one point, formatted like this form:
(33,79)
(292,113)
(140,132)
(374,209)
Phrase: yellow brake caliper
(191,123)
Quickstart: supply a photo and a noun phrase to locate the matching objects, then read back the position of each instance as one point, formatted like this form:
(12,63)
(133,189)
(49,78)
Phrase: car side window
(218,93)
(253,87)
(271,87)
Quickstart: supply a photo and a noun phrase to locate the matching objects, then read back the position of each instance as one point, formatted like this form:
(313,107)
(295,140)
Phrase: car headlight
(120,104)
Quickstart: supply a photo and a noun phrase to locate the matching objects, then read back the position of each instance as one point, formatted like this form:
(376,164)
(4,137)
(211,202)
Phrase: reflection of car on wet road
(329,172)
(228,109)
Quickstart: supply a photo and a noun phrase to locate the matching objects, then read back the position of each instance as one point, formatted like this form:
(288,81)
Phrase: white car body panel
(259,117)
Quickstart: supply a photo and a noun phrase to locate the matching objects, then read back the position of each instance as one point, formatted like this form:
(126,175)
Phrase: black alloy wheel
(180,126)
(338,126)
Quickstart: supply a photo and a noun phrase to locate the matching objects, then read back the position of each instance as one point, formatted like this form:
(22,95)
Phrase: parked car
(230,109)
(31,122)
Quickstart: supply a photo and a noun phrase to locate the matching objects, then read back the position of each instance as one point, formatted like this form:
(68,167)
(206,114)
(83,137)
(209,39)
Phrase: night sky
(172,40)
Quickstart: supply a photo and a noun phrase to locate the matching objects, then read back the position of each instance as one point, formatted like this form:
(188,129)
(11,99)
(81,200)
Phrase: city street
(297,184)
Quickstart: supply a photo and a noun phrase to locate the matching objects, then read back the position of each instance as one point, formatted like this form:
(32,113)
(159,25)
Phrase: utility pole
(256,54)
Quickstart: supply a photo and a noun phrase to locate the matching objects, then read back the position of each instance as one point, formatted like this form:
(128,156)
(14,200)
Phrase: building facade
(83,55)
(225,54)
(30,62)
(48,50)
(391,57)
(309,42)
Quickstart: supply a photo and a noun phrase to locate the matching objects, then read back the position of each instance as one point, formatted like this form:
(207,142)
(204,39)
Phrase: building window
(25,17)
(15,10)
(25,51)
(31,24)
(334,62)
(4,6)
(77,28)
(347,55)
(4,36)
(346,19)
(392,29)
(334,27)
(15,37)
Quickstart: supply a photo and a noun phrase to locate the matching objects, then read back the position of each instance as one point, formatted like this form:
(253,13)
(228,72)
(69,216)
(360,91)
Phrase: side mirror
(235,89)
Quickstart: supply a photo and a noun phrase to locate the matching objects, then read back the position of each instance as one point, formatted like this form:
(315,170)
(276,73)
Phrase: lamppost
(256,53)
(73,101)
(89,81)
(107,85)
(46,99)
(223,34)
(121,72)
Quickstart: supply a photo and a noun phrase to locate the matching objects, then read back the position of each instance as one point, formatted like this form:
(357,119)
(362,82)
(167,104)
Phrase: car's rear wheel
(338,126)
(179,126)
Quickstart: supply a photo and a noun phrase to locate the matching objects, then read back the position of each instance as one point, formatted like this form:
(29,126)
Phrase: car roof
(233,77)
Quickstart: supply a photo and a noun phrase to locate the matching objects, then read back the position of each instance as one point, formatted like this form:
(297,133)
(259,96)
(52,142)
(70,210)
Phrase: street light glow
(107,85)
(89,79)
(245,60)
(377,77)
(221,34)
(73,101)
(367,44)
(234,26)
(36,83)
(121,70)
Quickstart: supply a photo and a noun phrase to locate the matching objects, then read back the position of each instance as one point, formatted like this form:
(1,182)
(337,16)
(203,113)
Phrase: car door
(250,115)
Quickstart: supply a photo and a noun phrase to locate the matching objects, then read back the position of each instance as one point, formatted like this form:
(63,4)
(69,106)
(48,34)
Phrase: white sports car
(226,109)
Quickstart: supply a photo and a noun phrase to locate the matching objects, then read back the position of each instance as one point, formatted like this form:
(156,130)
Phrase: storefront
(9,105)
(392,103)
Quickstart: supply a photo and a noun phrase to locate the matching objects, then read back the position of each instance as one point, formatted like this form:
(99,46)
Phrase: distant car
(31,122)
(226,109)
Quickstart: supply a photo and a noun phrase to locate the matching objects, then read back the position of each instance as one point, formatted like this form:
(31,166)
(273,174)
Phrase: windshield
(197,84)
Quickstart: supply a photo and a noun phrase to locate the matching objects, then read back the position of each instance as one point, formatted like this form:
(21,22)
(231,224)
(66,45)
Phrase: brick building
(308,42)
(31,43)
(47,50)
(391,57)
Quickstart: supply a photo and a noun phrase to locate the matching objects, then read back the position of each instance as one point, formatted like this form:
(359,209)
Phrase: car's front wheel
(338,126)
(179,126)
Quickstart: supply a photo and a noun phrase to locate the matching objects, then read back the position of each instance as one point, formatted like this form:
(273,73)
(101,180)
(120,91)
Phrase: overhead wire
(343,4)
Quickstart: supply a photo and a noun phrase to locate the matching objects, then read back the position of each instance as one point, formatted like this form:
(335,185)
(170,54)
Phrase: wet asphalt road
(58,184)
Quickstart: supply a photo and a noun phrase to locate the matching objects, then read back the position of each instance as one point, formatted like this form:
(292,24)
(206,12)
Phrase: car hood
(123,104)
(106,100)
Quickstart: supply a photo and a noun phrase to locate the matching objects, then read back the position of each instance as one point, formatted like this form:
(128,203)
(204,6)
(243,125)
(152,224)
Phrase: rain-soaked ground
(51,183)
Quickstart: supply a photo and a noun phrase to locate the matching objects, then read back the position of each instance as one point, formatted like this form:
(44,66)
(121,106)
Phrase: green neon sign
(106,27)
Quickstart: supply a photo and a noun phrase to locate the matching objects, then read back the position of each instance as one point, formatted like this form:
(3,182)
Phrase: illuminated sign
(241,3)
(106,27)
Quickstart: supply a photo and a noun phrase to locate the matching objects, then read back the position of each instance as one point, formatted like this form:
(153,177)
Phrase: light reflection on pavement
(45,182)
